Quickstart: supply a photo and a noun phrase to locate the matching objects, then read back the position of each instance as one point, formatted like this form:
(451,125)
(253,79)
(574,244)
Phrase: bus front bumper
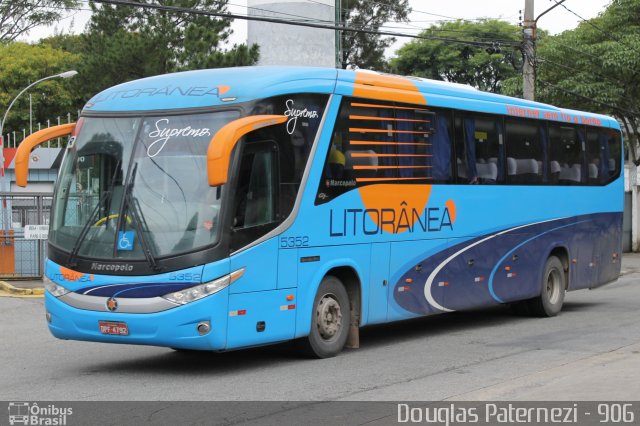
(175,328)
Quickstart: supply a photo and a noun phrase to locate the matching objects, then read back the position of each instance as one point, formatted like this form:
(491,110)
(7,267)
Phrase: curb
(16,291)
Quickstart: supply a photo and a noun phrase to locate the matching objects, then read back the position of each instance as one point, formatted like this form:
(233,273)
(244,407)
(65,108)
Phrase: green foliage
(459,62)
(23,64)
(72,43)
(126,43)
(596,67)
(367,50)
(17,17)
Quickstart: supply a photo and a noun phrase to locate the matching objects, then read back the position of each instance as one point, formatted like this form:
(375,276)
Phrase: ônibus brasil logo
(27,413)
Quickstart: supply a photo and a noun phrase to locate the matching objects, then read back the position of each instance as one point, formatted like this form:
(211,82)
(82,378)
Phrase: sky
(425,13)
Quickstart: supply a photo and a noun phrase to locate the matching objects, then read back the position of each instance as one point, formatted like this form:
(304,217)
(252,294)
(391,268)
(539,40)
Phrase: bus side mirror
(35,139)
(222,143)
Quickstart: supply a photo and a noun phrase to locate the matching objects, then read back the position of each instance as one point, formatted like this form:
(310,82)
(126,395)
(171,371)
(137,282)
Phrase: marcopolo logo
(26,413)
(112,267)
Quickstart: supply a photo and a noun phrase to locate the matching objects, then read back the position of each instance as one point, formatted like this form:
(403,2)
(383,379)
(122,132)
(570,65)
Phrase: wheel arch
(352,283)
(350,276)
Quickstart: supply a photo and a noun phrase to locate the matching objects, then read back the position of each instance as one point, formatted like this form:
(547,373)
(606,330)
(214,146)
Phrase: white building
(282,44)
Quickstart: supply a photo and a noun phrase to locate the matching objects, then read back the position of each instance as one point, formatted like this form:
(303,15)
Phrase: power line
(580,17)
(303,18)
(597,58)
(570,68)
(570,92)
(608,35)
(185,10)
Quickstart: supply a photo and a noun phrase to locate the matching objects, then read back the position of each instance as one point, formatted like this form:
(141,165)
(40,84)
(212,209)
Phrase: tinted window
(255,205)
(526,145)
(294,139)
(479,149)
(377,142)
(566,155)
(255,196)
(603,155)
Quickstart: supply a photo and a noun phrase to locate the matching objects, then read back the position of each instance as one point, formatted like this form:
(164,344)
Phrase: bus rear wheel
(551,298)
(330,320)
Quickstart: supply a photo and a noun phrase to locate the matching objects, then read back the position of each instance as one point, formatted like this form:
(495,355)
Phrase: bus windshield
(136,187)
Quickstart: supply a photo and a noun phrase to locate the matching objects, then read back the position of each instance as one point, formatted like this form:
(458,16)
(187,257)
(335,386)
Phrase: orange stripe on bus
(389,179)
(387,88)
(367,155)
(388,143)
(360,104)
(366,117)
(358,129)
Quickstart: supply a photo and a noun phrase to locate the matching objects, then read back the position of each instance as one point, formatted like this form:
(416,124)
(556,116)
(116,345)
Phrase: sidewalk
(630,263)
(27,288)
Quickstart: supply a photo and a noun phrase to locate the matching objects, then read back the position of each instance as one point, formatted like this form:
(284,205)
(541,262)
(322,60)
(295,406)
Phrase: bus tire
(551,298)
(329,320)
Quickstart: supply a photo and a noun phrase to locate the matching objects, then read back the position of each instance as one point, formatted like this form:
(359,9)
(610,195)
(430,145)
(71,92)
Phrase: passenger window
(376,142)
(603,155)
(566,154)
(479,149)
(615,153)
(526,146)
(294,138)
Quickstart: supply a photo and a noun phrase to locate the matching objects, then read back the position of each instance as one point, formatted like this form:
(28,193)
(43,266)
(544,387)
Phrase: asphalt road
(590,351)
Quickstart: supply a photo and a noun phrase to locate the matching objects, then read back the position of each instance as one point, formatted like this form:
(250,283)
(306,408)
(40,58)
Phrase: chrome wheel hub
(553,286)
(328,316)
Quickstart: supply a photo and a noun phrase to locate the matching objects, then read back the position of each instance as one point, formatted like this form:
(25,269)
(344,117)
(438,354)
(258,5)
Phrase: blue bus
(229,208)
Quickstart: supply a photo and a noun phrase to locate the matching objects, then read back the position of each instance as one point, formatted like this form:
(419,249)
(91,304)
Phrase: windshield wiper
(85,229)
(104,198)
(138,220)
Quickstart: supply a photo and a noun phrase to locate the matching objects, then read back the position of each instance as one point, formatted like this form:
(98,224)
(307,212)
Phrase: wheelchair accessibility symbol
(125,240)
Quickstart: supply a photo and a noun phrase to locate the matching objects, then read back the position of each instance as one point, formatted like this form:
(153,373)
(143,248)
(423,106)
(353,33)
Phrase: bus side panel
(379,288)
(498,267)
(411,263)
(260,271)
(467,276)
(287,268)
(583,249)
(261,317)
(610,251)
(311,273)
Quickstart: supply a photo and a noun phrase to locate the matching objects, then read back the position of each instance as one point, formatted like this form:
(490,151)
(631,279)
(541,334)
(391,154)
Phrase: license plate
(111,327)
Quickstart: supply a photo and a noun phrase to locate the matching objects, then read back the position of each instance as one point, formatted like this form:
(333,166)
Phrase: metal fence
(13,138)
(22,258)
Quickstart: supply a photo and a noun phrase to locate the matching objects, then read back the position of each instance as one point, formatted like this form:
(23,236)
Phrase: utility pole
(528,67)
(338,13)
(530,26)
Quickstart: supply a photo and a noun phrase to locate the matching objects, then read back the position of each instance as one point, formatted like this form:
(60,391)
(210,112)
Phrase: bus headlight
(192,294)
(55,289)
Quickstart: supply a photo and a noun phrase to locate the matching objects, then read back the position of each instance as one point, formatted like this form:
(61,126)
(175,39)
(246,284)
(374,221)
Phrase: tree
(123,43)
(484,66)
(25,63)
(17,17)
(596,67)
(367,50)
(72,43)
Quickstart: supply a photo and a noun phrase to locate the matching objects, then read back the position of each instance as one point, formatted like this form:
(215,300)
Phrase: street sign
(36,232)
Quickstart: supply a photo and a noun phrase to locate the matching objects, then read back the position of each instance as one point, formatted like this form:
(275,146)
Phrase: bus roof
(226,86)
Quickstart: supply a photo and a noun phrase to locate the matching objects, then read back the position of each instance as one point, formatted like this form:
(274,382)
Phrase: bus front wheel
(330,320)
(551,298)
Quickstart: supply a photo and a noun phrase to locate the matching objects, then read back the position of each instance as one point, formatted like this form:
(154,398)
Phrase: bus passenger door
(255,303)
(379,282)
